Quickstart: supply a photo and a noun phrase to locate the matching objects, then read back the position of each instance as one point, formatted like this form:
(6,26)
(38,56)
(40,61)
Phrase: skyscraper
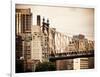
(23,23)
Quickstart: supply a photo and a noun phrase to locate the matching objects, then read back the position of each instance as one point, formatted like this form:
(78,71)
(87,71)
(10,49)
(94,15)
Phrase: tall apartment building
(23,23)
(23,19)
(36,53)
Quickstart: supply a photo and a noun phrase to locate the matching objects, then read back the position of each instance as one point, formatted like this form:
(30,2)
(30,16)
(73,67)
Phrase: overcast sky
(66,19)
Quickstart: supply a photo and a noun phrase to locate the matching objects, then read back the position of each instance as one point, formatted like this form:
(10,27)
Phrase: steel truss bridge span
(71,55)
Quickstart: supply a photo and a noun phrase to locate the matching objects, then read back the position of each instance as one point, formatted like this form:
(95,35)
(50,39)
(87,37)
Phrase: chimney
(38,20)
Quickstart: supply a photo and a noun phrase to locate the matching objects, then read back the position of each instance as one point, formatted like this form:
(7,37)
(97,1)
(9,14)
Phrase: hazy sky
(66,19)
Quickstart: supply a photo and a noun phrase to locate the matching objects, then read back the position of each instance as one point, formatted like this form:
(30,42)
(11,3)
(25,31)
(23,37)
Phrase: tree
(45,66)
(19,66)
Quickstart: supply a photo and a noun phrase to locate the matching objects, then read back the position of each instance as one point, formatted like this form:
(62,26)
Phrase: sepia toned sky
(68,20)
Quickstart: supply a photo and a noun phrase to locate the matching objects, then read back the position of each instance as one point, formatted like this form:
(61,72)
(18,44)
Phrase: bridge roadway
(71,55)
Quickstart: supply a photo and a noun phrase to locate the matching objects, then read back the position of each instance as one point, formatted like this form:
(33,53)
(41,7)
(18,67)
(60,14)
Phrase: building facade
(23,23)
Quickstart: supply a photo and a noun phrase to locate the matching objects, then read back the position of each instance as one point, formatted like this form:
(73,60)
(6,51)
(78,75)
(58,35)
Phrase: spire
(43,19)
(47,22)
(43,25)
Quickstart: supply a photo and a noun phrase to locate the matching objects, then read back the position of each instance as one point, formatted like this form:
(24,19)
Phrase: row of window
(23,22)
